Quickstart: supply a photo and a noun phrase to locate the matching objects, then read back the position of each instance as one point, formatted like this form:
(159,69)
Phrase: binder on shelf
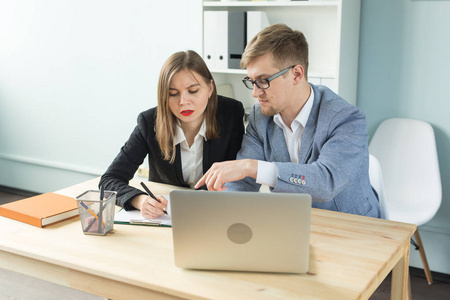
(237,35)
(256,21)
(221,42)
(209,36)
(215,43)
(226,33)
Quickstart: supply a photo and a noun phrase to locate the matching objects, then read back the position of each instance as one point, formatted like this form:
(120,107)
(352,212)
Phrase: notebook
(134,217)
(241,231)
(41,210)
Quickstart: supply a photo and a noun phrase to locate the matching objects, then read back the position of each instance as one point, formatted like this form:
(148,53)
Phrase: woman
(190,129)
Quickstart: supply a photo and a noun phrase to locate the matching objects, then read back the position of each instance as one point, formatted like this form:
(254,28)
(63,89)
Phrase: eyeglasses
(263,83)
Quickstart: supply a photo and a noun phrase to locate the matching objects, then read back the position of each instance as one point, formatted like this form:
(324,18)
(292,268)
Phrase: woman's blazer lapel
(177,166)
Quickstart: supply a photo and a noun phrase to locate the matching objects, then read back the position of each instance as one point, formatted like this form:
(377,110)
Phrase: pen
(145,222)
(93,220)
(102,192)
(90,211)
(100,210)
(151,195)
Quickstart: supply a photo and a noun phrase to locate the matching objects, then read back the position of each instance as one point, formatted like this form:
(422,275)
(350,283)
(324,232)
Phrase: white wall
(74,75)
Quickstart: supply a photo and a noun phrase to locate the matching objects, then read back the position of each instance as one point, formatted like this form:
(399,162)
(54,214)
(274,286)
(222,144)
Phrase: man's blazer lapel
(310,130)
(275,137)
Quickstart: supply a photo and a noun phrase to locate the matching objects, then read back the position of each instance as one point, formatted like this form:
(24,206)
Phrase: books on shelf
(41,210)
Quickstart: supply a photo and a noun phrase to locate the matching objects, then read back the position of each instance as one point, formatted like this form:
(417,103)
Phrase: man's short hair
(288,47)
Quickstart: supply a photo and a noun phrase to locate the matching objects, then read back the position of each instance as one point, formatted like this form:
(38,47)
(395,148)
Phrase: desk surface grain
(349,257)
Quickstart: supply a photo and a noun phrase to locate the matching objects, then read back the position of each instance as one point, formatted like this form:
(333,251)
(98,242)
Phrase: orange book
(41,210)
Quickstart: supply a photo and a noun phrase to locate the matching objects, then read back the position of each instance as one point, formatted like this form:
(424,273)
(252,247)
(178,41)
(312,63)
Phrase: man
(301,138)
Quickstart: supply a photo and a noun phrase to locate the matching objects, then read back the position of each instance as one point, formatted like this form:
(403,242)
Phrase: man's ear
(299,73)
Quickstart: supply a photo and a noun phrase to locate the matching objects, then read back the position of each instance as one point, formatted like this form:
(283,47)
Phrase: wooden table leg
(400,284)
(423,257)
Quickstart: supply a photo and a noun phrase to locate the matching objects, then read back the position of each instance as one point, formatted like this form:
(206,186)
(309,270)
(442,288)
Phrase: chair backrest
(406,151)
(376,180)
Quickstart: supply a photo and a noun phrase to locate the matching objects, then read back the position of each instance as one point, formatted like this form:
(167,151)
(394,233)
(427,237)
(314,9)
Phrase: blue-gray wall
(404,71)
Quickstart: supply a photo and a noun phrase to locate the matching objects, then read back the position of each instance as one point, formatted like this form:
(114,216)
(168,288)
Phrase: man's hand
(223,172)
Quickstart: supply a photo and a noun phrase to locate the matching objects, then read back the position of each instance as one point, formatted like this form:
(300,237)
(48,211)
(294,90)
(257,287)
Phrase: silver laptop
(241,231)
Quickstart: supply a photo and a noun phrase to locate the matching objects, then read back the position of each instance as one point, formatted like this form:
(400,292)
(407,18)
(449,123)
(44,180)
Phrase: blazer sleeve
(252,147)
(124,166)
(334,160)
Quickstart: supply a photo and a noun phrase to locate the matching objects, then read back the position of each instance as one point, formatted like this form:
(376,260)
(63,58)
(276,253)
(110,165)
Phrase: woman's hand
(149,207)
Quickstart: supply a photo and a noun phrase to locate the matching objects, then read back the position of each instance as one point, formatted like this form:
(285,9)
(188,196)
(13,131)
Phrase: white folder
(209,36)
(221,40)
(215,39)
(256,21)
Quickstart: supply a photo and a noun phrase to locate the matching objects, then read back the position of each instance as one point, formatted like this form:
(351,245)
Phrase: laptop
(241,231)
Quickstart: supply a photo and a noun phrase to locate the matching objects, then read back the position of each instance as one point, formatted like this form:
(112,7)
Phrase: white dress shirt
(267,171)
(191,157)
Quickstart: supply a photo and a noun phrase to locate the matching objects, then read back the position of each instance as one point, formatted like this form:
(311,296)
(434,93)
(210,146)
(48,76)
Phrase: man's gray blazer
(333,159)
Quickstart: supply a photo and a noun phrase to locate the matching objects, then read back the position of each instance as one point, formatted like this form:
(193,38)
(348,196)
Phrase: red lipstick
(187,112)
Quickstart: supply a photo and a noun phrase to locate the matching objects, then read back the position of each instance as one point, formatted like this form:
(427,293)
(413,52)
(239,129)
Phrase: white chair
(406,151)
(376,180)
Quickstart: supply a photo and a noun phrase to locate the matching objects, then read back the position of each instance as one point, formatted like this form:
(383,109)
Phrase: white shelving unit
(331,28)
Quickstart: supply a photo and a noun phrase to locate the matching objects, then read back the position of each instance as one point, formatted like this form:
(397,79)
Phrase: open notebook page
(135,217)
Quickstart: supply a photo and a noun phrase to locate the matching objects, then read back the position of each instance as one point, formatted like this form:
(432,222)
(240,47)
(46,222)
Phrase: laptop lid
(241,231)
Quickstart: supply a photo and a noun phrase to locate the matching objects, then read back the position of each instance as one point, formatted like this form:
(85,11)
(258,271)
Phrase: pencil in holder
(96,210)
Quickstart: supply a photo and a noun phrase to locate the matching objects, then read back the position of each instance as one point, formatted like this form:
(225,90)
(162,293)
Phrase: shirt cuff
(267,173)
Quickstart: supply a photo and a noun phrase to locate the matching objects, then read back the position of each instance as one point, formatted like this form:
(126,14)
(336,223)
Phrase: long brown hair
(166,122)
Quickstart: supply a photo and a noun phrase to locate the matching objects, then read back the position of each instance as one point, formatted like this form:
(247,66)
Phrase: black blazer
(142,142)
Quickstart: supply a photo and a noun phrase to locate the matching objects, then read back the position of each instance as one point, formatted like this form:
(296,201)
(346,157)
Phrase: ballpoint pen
(151,195)
(91,212)
(100,210)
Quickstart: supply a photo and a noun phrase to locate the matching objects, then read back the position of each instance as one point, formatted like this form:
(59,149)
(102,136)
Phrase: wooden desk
(350,256)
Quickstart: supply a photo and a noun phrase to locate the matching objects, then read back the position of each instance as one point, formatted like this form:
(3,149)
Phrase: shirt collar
(303,115)
(180,137)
